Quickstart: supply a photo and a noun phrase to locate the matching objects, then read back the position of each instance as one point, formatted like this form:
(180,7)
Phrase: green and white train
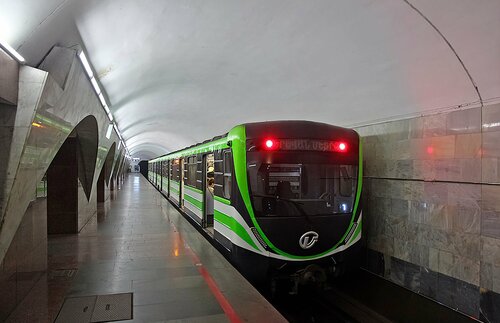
(282,198)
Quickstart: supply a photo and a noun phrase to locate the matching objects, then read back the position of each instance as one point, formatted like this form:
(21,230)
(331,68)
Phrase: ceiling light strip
(12,52)
(100,93)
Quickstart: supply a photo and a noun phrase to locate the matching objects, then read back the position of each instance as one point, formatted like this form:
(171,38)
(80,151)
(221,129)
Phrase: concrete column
(62,187)
(9,79)
(101,185)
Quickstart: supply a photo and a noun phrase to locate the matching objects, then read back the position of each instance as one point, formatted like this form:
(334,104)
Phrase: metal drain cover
(113,308)
(101,308)
(77,310)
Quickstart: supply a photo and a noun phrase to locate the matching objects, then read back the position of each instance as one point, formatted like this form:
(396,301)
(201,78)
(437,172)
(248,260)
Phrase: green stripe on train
(222,200)
(193,188)
(194,201)
(226,220)
(234,226)
(220,143)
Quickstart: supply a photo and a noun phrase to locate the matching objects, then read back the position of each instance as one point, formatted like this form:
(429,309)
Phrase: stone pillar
(9,79)
(62,187)
(101,185)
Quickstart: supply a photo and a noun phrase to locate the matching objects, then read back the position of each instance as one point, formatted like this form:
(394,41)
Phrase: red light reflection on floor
(223,302)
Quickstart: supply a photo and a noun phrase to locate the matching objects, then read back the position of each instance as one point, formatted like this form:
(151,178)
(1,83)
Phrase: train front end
(302,196)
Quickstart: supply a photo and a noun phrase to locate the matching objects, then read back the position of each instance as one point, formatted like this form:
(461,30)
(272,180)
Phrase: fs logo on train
(308,239)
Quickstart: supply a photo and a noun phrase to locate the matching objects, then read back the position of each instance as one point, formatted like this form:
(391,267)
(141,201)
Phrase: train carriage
(282,197)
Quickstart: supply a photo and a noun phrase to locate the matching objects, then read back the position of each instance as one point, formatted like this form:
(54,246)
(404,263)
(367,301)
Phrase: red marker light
(271,144)
(340,146)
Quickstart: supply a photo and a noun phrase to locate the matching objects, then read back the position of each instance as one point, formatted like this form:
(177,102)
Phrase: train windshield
(299,184)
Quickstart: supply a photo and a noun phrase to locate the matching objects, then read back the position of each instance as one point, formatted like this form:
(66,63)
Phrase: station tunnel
(158,156)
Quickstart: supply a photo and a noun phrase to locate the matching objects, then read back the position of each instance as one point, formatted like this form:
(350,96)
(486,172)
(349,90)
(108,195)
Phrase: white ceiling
(179,72)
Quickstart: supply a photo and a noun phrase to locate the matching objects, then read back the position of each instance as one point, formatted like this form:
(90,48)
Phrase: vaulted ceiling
(179,72)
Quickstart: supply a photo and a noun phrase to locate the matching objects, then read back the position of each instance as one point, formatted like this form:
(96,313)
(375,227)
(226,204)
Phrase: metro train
(281,198)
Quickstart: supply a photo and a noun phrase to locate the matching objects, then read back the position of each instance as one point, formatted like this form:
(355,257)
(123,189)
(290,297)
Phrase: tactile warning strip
(101,308)
(112,308)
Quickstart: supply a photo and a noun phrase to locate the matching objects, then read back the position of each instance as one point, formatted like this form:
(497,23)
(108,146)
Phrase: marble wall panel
(490,252)
(491,148)
(56,100)
(416,128)
(489,167)
(463,121)
(30,88)
(490,219)
(26,258)
(468,145)
(434,125)
(58,109)
(8,282)
(491,118)
(87,208)
(434,196)
(439,147)
(8,79)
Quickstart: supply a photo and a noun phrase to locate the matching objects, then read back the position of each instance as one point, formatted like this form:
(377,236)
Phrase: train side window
(228,163)
(191,171)
(164,170)
(185,161)
(218,174)
(176,170)
(199,172)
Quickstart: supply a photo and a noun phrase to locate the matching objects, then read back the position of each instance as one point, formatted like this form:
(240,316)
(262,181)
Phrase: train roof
(257,129)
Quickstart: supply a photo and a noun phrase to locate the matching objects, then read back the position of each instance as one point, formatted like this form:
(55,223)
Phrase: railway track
(364,297)
(332,305)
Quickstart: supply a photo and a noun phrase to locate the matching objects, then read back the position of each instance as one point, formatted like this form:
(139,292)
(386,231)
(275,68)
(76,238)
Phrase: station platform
(139,246)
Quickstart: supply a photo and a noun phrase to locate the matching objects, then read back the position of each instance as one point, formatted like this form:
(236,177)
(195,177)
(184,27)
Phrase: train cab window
(346,181)
(288,184)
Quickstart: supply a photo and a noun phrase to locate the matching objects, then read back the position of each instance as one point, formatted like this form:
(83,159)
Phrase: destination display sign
(310,145)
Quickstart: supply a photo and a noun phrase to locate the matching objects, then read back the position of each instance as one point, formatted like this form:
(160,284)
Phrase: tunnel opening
(70,202)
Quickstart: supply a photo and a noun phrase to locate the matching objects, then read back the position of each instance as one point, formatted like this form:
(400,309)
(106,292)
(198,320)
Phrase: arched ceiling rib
(178,72)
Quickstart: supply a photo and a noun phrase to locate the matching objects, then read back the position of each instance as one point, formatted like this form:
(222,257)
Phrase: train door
(208,192)
(181,182)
